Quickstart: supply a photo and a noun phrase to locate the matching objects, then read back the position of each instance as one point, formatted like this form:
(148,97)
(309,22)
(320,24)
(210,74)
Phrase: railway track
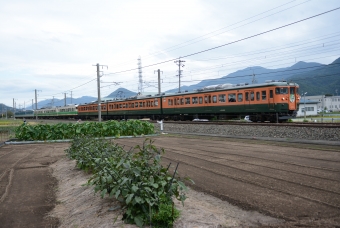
(242,123)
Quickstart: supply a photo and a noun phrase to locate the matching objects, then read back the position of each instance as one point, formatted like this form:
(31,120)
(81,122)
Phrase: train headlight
(283,98)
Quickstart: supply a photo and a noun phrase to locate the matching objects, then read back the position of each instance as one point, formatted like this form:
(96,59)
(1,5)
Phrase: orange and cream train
(271,101)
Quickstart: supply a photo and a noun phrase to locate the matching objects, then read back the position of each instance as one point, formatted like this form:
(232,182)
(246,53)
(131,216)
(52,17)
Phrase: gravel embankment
(308,133)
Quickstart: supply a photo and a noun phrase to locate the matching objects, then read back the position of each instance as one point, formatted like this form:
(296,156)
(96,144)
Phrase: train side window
(182,101)
(251,96)
(136,104)
(169,101)
(132,105)
(271,94)
(232,97)
(264,95)
(221,97)
(201,100)
(247,96)
(214,99)
(206,99)
(156,102)
(240,97)
(257,96)
(143,104)
(151,103)
(194,100)
(140,104)
(187,100)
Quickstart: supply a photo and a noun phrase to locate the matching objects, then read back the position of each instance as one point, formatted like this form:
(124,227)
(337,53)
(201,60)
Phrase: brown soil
(27,187)
(299,185)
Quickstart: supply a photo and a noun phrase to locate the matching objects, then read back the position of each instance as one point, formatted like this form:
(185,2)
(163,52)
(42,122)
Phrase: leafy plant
(95,129)
(136,178)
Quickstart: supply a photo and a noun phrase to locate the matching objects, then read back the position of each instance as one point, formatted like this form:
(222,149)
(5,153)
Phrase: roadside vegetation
(144,188)
(7,128)
(71,130)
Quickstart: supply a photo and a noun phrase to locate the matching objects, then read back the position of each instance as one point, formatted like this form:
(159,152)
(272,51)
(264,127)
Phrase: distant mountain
(323,80)
(4,107)
(258,73)
(313,77)
(121,93)
(61,102)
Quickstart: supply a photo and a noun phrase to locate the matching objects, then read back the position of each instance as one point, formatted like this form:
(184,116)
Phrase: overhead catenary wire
(233,42)
(211,34)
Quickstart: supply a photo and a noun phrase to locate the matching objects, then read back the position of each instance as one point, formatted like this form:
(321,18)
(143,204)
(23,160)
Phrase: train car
(131,108)
(27,114)
(64,112)
(271,101)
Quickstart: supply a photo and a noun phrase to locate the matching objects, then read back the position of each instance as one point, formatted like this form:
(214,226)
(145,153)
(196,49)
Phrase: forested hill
(323,80)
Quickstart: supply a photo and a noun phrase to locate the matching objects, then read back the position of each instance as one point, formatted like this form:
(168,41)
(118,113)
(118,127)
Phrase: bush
(135,178)
(95,129)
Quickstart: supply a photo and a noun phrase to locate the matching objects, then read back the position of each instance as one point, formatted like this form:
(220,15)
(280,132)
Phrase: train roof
(228,86)
(210,88)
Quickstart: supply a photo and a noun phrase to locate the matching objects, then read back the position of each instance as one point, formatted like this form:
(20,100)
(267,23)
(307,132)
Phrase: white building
(310,106)
(325,103)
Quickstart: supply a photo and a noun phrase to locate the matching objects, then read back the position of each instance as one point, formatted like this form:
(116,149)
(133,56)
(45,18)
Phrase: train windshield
(292,90)
(282,90)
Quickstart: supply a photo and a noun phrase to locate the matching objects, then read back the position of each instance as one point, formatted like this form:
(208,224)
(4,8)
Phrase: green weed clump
(136,178)
(71,130)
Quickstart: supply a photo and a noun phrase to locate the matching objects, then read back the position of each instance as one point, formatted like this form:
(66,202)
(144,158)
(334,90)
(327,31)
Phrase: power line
(207,34)
(233,42)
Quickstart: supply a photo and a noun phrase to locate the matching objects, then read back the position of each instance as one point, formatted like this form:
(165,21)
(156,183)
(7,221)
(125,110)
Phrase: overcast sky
(51,46)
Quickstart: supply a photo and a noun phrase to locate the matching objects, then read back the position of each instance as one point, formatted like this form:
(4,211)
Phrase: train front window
(282,90)
(292,90)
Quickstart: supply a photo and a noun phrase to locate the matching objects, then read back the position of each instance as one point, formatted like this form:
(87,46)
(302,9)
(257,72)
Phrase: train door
(207,99)
(271,99)
(292,99)
(249,100)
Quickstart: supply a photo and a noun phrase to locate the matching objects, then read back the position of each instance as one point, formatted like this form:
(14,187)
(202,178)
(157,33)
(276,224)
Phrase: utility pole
(36,105)
(65,99)
(14,110)
(140,76)
(71,98)
(179,63)
(98,88)
(159,81)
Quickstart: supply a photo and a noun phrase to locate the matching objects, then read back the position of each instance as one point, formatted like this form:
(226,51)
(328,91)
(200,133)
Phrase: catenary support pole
(99,98)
